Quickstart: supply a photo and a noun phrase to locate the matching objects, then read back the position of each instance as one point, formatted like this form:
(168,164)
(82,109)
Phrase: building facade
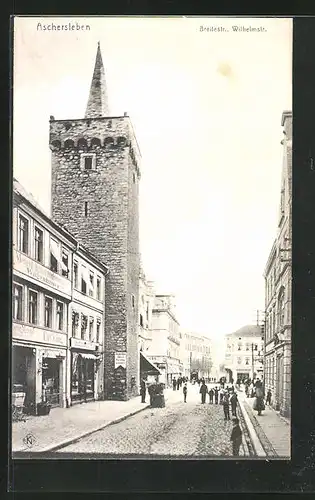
(43,299)
(95,193)
(244,353)
(196,355)
(164,351)
(278,284)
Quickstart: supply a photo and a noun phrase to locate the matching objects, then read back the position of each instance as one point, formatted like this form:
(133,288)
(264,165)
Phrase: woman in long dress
(259,404)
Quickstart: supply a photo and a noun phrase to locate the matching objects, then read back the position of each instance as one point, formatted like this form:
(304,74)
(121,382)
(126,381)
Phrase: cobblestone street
(179,429)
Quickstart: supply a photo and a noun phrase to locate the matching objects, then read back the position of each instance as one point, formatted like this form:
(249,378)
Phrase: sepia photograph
(151,238)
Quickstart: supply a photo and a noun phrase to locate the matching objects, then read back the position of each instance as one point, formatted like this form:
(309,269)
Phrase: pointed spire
(97,105)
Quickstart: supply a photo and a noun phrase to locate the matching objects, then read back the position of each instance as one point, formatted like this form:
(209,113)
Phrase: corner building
(95,176)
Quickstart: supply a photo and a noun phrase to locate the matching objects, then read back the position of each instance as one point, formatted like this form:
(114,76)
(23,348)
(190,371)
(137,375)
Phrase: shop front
(83,375)
(23,376)
(150,371)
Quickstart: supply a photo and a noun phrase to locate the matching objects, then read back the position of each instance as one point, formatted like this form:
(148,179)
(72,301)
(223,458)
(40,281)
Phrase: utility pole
(252,361)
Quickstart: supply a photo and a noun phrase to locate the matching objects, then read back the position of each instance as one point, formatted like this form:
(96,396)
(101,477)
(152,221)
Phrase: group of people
(177,383)
(255,389)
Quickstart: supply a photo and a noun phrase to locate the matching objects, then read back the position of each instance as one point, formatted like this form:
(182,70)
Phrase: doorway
(82,379)
(51,381)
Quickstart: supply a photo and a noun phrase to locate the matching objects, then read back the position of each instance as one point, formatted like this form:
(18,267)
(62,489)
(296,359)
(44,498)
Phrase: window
(246,361)
(141,320)
(98,288)
(23,234)
(65,264)
(239,346)
(133,301)
(98,329)
(59,315)
(255,347)
(247,347)
(86,208)
(75,323)
(83,281)
(84,321)
(48,312)
(54,255)
(39,245)
(91,328)
(239,360)
(147,311)
(281,308)
(88,162)
(75,274)
(91,287)
(32,307)
(17,302)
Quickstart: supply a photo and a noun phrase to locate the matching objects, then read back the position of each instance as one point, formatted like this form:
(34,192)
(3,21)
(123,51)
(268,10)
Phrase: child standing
(185,392)
(268,399)
(236,437)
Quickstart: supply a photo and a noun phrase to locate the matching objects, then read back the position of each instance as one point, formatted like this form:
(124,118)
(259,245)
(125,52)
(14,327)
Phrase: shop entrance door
(23,375)
(51,381)
(82,383)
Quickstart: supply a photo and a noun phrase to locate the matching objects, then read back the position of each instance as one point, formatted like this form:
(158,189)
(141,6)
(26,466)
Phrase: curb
(67,442)
(253,435)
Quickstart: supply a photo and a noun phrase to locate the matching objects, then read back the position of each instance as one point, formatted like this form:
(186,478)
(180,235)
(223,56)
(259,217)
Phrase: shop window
(65,264)
(39,244)
(48,312)
(23,234)
(60,315)
(91,329)
(51,381)
(17,302)
(98,330)
(91,284)
(75,274)
(98,288)
(54,255)
(32,307)
(84,321)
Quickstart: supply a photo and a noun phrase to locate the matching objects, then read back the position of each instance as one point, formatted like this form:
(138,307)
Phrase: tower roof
(97,105)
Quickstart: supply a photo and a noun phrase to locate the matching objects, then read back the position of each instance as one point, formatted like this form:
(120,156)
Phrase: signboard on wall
(120,359)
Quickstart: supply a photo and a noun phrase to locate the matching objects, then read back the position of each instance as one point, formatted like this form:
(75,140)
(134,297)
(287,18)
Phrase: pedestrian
(221,395)
(203,391)
(178,384)
(268,398)
(259,404)
(226,406)
(233,400)
(216,395)
(174,384)
(236,437)
(143,390)
(185,392)
(211,393)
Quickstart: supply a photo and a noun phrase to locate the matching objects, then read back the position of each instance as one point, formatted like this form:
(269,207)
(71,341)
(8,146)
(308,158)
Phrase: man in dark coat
(203,391)
(143,390)
(174,384)
(236,437)
(226,406)
(233,400)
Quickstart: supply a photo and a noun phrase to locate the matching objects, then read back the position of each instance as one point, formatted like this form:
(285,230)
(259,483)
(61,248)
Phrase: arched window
(69,144)
(82,143)
(56,144)
(109,141)
(95,142)
(281,308)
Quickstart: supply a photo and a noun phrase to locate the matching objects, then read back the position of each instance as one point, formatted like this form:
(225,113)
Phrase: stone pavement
(273,431)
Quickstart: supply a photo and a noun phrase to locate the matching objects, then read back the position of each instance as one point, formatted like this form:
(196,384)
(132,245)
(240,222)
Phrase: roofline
(270,258)
(62,230)
(285,114)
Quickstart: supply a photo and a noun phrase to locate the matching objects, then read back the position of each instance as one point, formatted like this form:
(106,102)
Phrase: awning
(148,367)
(86,355)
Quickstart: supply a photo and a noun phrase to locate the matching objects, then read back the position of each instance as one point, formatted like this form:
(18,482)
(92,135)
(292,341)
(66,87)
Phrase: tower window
(86,208)
(88,162)
(134,178)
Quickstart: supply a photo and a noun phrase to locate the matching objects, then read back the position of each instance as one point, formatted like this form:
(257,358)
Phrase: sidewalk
(272,430)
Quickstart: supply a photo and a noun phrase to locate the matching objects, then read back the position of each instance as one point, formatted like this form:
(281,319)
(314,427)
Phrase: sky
(206,107)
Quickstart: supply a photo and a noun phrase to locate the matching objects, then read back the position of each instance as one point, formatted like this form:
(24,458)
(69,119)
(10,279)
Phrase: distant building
(244,353)
(196,355)
(57,310)
(278,285)
(165,347)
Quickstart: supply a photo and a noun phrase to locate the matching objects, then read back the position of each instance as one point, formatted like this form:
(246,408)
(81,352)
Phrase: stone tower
(95,191)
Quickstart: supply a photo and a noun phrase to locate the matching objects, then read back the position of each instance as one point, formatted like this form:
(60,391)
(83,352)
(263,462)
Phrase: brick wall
(110,229)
